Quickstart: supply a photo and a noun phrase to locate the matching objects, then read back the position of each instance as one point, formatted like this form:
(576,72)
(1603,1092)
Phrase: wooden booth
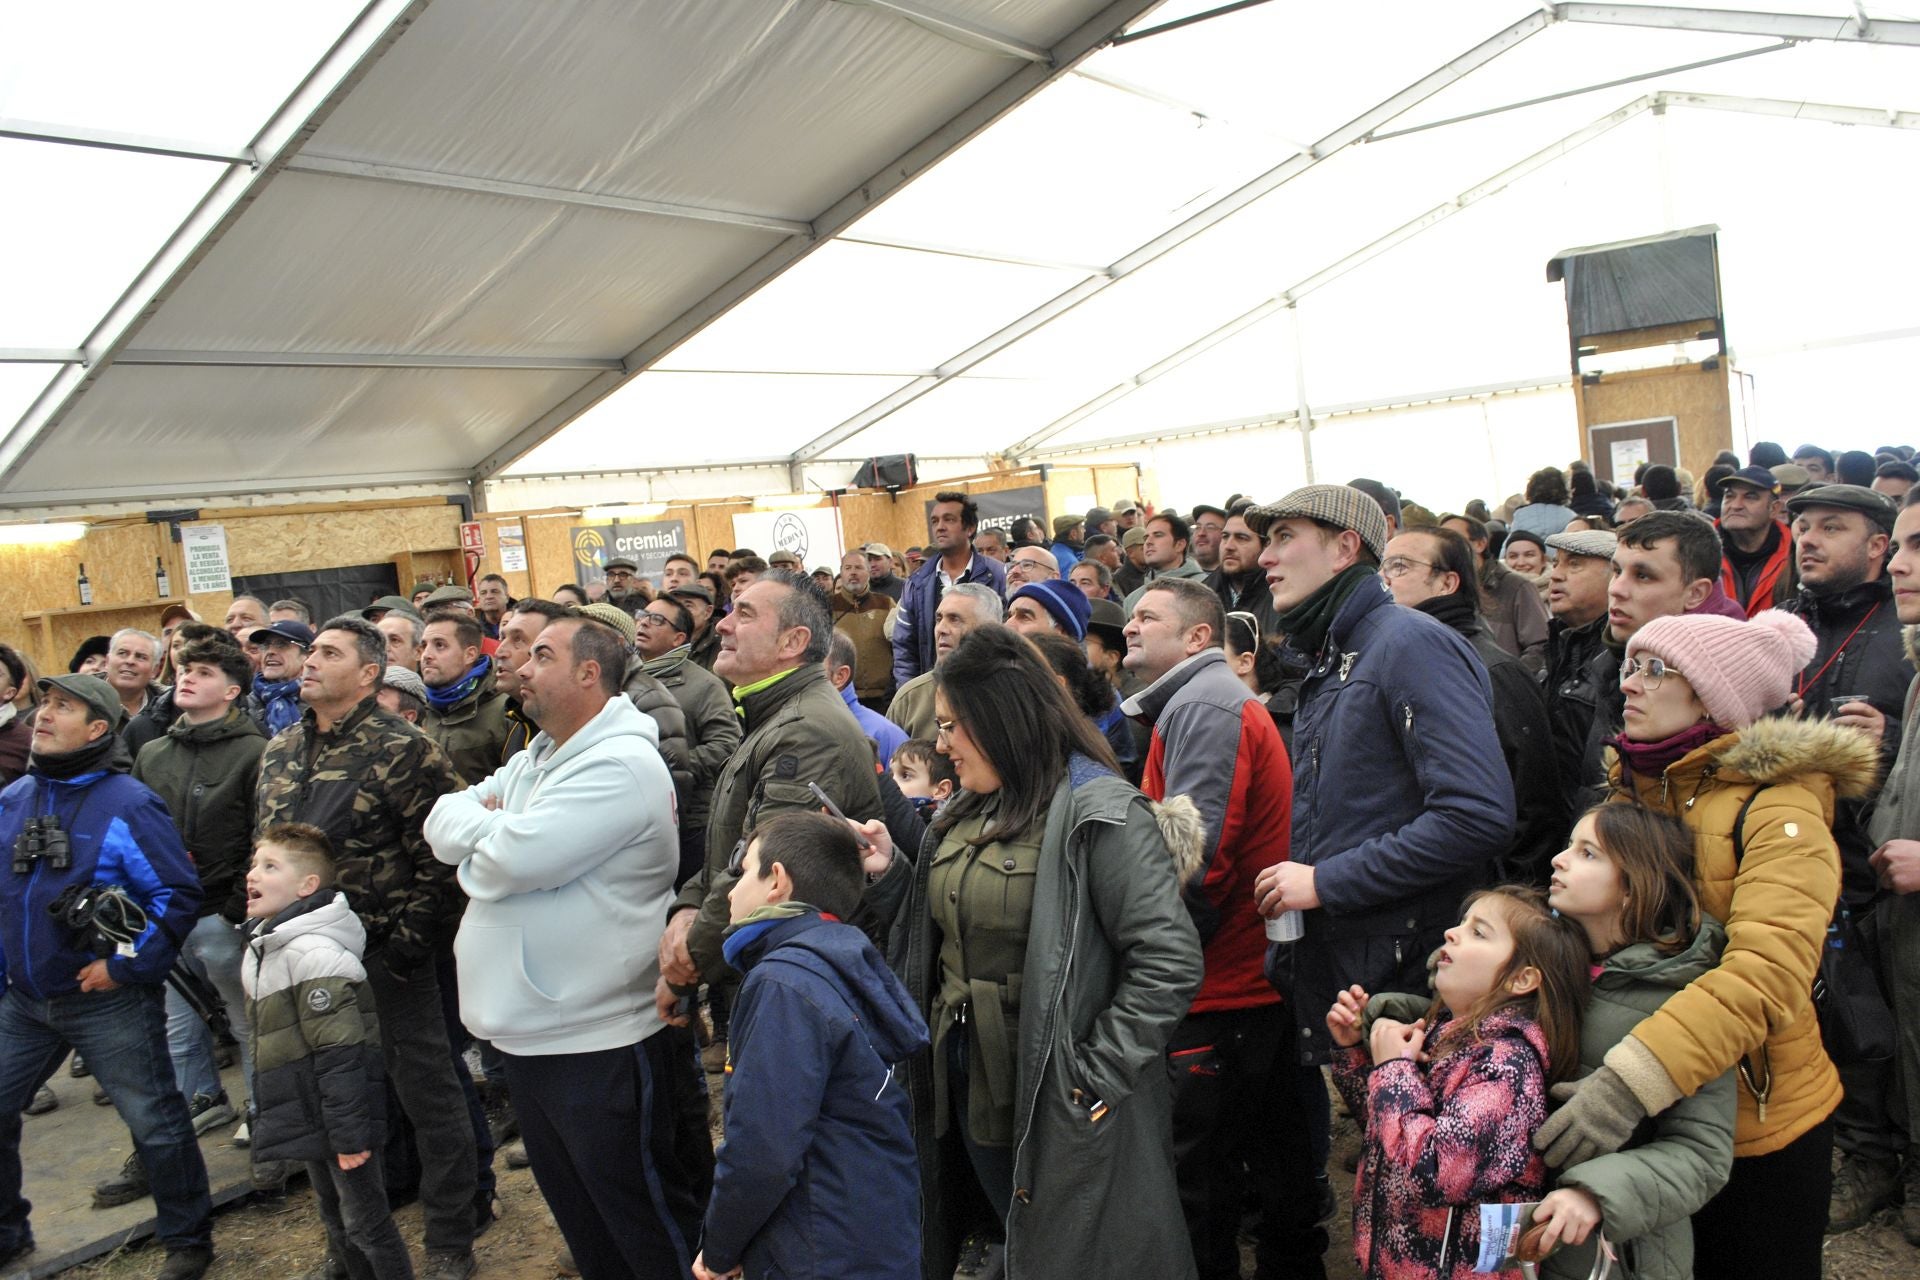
(1631,298)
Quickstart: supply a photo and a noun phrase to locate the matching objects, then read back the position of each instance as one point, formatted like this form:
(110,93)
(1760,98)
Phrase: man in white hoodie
(567,854)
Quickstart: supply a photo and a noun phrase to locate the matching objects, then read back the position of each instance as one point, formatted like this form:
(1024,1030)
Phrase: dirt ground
(283,1241)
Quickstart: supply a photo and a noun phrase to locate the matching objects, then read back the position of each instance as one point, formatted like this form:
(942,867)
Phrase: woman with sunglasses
(1042,932)
(1757,790)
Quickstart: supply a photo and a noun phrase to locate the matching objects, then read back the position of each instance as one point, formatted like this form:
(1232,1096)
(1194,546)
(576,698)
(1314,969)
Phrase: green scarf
(1307,623)
(667,663)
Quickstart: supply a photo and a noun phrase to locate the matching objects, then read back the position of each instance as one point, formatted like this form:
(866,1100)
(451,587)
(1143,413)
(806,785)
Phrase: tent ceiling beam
(356,360)
(337,167)
(1826,113)
(1083,41)
(109,140)
(959,31)
(977,255)
(1353,131)
(1780,26)
(1326,275)
(366,39)
(41,355)
(217,488)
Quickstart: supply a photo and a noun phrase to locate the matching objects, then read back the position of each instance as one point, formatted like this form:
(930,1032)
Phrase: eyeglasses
(944,729)
(1037,566)
(650,620)
(1650,670)
(1400,566)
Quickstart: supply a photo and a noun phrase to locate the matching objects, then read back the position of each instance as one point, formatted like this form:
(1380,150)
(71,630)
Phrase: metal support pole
(1305,410)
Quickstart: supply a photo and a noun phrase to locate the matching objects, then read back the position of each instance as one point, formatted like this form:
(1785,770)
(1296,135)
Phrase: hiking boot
(448,1264)
(1861,1189)
(43,1102)
(210,1113)
(269,1177)
(981,1259)
(128,1185)
(189,1263)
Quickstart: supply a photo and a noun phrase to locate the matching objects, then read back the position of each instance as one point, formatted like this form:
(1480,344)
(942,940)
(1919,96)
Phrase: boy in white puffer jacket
(318,1082)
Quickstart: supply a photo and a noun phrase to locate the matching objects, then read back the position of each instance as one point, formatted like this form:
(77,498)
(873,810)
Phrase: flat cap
(1758,477)
(1337,506)
(609,615)
(450,594)
(1063,525)
(1791,475)
(1846,497)
(1098,516)
(99,696)
(1597,543)
(389,604)
(624,562)
(1134,536)
(405,681)
(696,590)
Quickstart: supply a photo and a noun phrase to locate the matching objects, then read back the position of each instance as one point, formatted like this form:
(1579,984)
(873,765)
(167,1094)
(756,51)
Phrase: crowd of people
(1024,892)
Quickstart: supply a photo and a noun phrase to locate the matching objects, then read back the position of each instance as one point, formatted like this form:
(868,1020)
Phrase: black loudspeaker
(892,472)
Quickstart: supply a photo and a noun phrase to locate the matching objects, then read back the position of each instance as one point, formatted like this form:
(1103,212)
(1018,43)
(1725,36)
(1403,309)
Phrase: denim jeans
(414,1041)
(123,1036)
(360,1231)
(212,951)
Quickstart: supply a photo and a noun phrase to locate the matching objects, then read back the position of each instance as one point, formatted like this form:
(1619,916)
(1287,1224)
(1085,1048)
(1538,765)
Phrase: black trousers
(1240,1124)
(1771,1217)
(617,1163)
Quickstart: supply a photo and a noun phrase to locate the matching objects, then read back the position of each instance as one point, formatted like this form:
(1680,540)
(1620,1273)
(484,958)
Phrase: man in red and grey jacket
(1238,1113)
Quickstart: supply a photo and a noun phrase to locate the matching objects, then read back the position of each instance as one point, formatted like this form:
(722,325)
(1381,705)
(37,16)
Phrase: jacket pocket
(499,952)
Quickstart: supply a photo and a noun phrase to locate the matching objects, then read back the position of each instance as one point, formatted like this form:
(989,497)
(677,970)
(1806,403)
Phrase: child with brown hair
(1626,878)
(319,1084)
(1453,1097)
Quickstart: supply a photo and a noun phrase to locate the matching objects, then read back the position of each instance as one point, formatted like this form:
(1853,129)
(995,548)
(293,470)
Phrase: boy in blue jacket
(84,837)
(817,1176)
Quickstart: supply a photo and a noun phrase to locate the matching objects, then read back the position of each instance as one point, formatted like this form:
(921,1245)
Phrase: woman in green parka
(1042,932)
(1626,877)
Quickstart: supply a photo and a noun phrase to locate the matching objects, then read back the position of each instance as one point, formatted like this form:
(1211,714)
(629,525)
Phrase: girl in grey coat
(1626,877)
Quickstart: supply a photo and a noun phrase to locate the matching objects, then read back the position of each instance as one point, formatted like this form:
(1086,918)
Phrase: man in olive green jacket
(466,714)
(798,731)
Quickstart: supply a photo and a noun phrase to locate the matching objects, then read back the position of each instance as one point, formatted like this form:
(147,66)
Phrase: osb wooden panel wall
(1696,398)
(119,556)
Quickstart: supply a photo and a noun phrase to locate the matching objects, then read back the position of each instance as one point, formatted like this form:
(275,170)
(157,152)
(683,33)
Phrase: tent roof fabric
(447,241)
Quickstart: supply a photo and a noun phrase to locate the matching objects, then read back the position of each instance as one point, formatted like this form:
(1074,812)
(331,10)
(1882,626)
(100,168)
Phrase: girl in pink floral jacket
(1451,1099)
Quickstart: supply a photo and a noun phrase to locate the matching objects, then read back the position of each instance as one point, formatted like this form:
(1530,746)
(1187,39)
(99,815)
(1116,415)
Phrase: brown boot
(1861,1189)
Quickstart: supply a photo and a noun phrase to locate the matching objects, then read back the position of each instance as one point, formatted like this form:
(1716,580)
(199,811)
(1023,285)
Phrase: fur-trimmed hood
(1910,644)
(1779,749)
(1185,832)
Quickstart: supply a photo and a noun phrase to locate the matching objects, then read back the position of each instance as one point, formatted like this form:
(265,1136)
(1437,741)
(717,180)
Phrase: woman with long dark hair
(1042,932)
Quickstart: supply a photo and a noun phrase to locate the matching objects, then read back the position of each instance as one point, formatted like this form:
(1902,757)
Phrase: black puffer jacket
(206,774)
(1860,651)
(654,698)
(1583,681)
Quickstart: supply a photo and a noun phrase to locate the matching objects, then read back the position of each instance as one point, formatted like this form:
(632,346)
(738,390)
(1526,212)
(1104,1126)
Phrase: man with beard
(952,523)
(466,714)
(624,588)
(1208,522)
(861,614)
(1239,581)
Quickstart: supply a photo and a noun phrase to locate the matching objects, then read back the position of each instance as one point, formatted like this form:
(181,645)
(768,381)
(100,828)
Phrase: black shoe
(20,1250)
(43,1102)
(130,1185)
(448,1264)
(1329,1203)
(100,1098)
(189,1263)
(78,1067)
(224,1055)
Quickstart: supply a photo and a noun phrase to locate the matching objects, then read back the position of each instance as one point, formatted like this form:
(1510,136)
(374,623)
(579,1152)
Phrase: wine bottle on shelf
(86,588)
(161,580)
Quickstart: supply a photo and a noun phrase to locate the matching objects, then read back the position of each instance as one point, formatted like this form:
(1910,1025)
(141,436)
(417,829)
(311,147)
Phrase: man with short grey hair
(133,656)
(289,611)
(961,609)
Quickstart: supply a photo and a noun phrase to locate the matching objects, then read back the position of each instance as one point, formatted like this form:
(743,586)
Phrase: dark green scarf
(1307,623)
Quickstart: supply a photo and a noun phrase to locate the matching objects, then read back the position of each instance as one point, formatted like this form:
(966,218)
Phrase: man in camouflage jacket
(368,779)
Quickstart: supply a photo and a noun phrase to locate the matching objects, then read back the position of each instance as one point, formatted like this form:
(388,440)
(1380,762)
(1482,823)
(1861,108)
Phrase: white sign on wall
(204,547)
(812,534)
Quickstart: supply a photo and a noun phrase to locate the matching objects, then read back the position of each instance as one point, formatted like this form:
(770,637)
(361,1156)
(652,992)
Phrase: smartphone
(834,809)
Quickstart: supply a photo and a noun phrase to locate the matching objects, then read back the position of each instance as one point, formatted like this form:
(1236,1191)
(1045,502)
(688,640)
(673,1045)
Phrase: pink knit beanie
(1740,670)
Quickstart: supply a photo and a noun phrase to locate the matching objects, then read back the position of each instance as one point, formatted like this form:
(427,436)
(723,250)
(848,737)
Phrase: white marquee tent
(595,250)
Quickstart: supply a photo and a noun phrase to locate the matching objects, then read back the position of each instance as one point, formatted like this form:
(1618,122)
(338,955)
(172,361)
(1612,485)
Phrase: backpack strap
(1740,827)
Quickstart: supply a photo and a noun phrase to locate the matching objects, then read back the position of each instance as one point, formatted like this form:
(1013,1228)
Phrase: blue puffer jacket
(1401,803)
(119,834)
(913,632)
(818,1175)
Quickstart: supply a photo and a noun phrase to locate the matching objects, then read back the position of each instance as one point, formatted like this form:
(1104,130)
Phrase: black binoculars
(42,838)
